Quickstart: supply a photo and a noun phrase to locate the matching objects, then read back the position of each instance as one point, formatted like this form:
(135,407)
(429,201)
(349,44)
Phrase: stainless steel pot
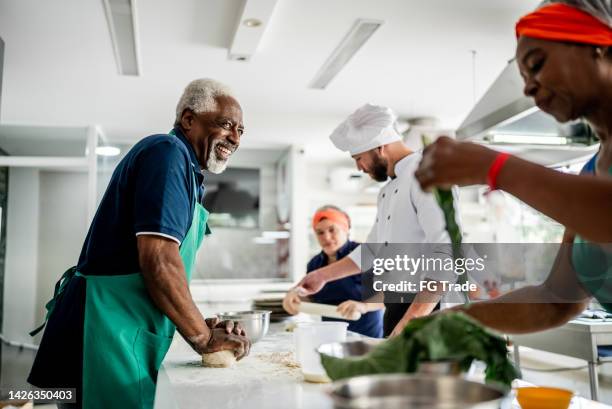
(397,391)
(255,323)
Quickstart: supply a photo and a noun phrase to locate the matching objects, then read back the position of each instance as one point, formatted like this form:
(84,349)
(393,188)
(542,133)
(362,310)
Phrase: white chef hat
(367,128)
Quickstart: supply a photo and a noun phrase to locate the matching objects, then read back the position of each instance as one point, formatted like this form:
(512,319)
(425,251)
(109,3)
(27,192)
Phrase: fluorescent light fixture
(121,20)
(107,151)
(358,35)
(276,234)
(527,139)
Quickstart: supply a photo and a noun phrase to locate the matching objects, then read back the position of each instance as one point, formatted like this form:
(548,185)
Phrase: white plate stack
(271,302)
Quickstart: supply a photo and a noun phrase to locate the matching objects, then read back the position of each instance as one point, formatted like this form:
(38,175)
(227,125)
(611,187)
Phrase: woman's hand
(352,310)
(447,162)
(291,302)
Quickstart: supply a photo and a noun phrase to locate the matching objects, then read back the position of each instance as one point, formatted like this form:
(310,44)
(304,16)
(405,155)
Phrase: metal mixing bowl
(413,391)
(348,349)
(255,323)
(355,349)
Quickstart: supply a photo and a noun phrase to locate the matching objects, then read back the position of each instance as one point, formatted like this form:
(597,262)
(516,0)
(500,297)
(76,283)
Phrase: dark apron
(396,306)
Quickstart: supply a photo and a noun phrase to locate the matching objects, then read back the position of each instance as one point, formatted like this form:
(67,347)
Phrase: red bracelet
(495,168)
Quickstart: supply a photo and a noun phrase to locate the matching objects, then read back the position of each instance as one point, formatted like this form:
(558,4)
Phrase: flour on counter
(283,358)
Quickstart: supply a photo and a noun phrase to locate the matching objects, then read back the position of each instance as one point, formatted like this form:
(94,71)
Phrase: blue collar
(192,155)
(342,252)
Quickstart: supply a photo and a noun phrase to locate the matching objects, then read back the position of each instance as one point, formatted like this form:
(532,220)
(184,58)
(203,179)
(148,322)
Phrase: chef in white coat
(405,213)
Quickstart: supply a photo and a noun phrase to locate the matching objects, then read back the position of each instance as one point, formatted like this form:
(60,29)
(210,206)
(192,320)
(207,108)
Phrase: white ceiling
(60,69)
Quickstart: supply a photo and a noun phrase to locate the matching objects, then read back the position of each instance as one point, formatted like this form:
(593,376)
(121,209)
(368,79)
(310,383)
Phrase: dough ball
(221,359)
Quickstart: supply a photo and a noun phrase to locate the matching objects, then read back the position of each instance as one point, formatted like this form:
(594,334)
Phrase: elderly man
(405,213)
(113,316)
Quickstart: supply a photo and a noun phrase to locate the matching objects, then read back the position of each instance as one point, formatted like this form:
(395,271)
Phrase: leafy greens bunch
(439,337)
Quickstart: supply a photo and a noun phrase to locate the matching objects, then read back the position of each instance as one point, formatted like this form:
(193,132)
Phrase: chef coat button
(396,190)
(389,217)
(377,220)
(383,195)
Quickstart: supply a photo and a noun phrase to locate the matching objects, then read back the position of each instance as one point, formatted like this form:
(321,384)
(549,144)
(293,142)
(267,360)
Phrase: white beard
(214,164)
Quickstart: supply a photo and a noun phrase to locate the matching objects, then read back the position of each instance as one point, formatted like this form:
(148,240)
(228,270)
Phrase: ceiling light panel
(359,34)
(121,20)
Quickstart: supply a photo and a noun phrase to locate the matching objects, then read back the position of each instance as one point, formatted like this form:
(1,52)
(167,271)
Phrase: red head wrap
(333,215)
(560,22)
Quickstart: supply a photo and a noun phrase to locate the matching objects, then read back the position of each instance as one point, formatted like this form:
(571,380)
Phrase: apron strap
(60,286)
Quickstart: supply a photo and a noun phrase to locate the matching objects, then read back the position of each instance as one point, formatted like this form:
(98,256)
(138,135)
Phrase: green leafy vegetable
(447,336)
(446,201)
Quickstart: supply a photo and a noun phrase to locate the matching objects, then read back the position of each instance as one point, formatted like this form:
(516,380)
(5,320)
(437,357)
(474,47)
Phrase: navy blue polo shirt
(347,288)
(151,192)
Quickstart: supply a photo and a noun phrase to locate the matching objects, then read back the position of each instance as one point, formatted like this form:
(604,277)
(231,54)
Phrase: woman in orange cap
(331,226)
(564,54)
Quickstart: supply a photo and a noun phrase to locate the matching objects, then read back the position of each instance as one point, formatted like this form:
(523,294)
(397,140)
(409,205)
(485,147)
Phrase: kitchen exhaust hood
(507,120)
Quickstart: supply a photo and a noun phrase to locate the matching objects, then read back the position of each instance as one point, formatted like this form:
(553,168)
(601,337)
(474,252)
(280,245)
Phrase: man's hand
(311,284)
(447,162)
(351,309)
(230,326)
(422,305)
(291,302)
(399,327)
(221,340)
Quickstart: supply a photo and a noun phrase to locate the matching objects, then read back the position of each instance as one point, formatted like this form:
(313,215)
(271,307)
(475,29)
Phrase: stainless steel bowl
(413,391)
(255,323)
(352,349)
(355,349)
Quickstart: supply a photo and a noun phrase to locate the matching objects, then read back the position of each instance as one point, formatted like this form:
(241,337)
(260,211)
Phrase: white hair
(201,96)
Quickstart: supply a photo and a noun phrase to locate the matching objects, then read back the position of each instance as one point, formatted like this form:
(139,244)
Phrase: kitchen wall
(46,225)
(62,229)
(20,297)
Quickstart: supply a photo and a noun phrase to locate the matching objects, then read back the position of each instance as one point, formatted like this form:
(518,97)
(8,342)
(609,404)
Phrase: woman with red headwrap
(331,226)
(564,54)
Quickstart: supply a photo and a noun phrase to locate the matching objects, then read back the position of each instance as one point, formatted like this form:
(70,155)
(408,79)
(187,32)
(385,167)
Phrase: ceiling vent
(120,16)
(359,34)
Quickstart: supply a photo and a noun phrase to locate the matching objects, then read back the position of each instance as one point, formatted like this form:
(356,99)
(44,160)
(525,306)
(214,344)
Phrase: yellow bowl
(543,398)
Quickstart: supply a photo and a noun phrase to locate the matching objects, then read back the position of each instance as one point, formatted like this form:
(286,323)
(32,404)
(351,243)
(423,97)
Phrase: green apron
(125,336)
(593,265)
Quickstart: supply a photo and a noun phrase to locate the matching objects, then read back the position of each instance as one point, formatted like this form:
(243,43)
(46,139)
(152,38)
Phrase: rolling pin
(325,310)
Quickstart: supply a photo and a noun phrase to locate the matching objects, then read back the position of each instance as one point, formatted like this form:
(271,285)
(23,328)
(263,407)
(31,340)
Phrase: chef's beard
(379,169)
(213,163)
